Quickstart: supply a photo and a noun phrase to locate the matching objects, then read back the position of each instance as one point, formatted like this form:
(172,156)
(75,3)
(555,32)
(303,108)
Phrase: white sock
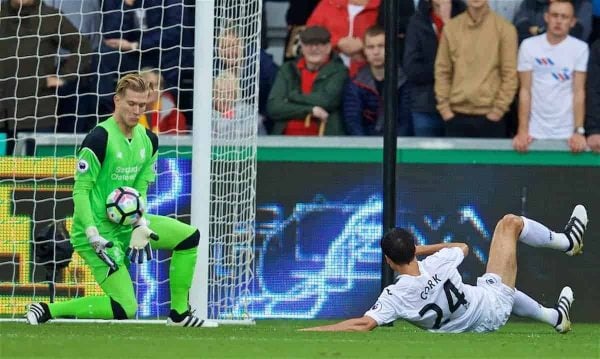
(527,307)
(536,234)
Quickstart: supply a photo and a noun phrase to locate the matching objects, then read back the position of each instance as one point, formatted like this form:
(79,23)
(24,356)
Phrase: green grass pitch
(280,339)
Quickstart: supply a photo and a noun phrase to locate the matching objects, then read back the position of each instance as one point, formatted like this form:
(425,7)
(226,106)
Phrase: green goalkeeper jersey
(107,160)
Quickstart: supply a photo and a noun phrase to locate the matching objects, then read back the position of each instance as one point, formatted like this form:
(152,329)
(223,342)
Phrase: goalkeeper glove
(140,243)
(100,244)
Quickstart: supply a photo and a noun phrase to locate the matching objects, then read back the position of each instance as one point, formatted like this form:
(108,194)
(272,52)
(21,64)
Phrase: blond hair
(134,82)
(153,71)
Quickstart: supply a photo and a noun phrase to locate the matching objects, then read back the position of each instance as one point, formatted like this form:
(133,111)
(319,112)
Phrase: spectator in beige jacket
(476,72)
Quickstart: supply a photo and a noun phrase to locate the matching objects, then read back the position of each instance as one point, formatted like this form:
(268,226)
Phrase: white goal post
(218,155)
(225,210)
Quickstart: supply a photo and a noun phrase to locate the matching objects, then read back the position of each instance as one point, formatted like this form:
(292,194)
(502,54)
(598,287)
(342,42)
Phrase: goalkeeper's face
(129,106)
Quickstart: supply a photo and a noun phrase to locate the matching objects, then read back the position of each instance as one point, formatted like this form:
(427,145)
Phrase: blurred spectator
(363,96)
(264,39)
(185,93)
(552,69)
(83,14)
(507,8)
(229,50)
(162,115)
(595,22)
(529,20)
(406,9)
(227,10)
(347,21)
(232,117)
(422,37)
(476,72)
(309,87)
(592,120)
(296,16)
(139,33)
(228,17)
(231,55)
(31,34)
(266,78)
(78,99)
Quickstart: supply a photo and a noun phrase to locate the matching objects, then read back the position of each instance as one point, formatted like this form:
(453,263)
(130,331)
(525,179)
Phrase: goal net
(57,79)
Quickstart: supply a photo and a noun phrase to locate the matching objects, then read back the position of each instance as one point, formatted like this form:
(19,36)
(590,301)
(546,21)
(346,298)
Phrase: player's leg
(497,285)
(558,317)
(502,257)
(570,240)
(183,240)
(118,303)
(503,261)
(503,250)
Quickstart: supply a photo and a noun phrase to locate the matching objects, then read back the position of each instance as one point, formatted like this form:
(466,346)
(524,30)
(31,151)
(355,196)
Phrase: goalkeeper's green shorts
(170,232)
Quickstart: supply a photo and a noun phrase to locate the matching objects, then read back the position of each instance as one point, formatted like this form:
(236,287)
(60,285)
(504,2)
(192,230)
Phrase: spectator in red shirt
(309,88)
(347,21)
(162,115)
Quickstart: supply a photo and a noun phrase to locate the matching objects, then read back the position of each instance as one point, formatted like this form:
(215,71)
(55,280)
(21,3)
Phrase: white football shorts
(496,305)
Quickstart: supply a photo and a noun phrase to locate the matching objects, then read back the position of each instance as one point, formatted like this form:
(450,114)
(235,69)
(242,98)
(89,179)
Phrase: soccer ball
(124,206)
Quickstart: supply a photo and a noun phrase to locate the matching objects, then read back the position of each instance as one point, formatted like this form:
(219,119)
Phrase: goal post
(205,176)
(201,148)
(225,210)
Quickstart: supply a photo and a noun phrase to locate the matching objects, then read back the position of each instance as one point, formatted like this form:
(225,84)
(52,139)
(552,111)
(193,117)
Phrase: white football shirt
(437,300)
(553,68)
(353,11)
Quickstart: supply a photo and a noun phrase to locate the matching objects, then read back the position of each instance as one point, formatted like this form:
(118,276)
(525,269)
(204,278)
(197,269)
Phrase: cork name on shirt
(430,285)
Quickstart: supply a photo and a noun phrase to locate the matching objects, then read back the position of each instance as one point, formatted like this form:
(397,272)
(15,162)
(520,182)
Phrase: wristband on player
(91,232)
(99,244)
(142,222)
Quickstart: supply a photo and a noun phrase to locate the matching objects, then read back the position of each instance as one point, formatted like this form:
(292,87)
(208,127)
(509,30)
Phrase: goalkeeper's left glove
(140,243)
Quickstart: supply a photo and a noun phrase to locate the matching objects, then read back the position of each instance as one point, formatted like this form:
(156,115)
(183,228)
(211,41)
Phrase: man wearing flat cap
(306,96)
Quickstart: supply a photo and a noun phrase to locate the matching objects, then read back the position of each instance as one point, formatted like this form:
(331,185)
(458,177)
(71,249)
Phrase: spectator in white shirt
(552,70)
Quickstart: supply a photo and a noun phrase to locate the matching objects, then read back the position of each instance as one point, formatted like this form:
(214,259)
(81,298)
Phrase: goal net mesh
(58,70)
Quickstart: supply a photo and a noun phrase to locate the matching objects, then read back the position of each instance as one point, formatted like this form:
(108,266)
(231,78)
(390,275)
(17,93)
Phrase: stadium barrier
(318,217)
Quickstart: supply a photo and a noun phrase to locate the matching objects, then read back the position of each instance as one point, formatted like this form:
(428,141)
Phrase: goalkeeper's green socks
(117,286)
(97,307)
(181,272)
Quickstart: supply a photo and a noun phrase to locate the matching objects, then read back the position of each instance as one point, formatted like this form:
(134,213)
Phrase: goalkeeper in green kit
(120,152)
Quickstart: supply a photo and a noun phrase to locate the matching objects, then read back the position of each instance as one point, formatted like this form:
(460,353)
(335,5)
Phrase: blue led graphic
(169,194)
(325,264)
(146,288)
(319,259)
(319,269)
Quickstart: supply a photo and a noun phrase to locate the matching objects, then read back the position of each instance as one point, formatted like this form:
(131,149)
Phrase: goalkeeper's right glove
(140,242)
(100,244)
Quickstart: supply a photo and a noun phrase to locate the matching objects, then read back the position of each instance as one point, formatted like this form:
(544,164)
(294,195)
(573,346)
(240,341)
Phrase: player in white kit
(431,295)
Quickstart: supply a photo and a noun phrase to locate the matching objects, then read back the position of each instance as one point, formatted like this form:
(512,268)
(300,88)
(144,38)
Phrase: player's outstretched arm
(432,248)
(363,324)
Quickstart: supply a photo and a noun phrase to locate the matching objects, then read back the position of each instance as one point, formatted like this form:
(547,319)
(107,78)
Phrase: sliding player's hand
(100,244)
(139,245)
